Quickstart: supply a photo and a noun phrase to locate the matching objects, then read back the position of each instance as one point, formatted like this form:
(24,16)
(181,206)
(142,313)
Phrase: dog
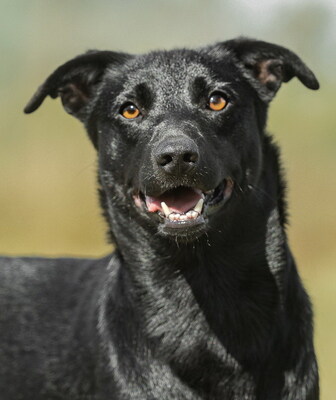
(201,298)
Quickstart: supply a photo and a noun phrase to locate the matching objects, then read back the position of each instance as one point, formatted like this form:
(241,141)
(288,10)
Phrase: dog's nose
(177,156)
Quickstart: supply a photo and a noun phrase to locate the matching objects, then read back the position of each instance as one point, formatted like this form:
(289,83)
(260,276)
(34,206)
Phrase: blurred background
(48,202)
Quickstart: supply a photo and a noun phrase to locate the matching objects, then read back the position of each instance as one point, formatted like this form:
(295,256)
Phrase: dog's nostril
(164,159)
(190,158)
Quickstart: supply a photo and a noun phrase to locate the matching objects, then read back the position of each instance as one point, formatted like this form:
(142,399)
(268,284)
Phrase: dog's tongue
(179,200)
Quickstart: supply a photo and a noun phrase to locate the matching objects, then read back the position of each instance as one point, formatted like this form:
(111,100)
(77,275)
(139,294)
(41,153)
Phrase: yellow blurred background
(48,202)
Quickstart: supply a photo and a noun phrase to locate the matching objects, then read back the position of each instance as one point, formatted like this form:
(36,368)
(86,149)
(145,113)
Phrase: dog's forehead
(169,72)
(170,67)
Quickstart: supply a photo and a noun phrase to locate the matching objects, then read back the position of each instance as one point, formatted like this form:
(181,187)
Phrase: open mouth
(185,206)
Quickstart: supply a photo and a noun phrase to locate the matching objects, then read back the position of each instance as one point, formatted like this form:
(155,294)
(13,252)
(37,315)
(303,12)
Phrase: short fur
(213,311)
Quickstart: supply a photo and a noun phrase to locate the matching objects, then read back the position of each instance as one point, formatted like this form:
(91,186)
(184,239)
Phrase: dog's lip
(185,206)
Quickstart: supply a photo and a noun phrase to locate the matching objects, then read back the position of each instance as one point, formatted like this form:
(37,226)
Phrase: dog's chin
(183,213)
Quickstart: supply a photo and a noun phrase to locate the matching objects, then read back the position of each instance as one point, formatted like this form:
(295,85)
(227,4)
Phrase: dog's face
(171,127)
(178,133)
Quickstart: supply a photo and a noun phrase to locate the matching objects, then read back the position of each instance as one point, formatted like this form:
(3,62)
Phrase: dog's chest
(209,331)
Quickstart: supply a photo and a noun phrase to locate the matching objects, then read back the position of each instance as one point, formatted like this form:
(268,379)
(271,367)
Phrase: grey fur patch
(299,388)
(275,252)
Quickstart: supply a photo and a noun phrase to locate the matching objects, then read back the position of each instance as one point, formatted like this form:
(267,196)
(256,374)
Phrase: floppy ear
(267,65)
(76,82)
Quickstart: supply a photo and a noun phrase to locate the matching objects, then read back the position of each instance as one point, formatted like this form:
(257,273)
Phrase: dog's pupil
(131,109)
(216,99)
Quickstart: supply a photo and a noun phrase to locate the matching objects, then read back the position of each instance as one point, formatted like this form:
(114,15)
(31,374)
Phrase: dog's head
(178,133)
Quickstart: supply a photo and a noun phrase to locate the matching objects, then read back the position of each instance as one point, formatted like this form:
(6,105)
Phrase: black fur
(212,310)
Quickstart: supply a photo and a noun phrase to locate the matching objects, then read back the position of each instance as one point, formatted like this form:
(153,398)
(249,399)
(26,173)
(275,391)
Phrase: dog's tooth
(199,206)
(165,209)
(194,214)
(183,217)
(171,217)
(189,214)
(177,217)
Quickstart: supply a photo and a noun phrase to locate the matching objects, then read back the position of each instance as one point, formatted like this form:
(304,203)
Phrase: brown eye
(130,111)
(217,102)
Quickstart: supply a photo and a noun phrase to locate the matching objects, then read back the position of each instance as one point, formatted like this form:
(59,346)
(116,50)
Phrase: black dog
(201,299)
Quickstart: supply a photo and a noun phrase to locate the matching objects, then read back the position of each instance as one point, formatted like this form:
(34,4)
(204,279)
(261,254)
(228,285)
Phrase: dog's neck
(225,270)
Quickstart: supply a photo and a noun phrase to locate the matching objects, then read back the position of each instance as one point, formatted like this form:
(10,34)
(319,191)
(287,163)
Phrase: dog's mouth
(185,206)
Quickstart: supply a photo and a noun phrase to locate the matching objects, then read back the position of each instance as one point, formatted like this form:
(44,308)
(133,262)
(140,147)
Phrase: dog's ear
(267,65)
(76,81)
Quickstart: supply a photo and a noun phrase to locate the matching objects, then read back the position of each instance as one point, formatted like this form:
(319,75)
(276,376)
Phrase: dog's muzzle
(181,203)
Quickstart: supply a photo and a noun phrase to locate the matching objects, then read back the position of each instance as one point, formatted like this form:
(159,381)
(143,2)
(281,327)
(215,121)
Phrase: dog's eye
(217,102)
(130,111)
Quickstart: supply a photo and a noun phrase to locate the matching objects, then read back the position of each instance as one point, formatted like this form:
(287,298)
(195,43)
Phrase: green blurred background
(48,202)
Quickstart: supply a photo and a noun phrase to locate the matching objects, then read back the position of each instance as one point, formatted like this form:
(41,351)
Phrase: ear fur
(76,81)
(267,65)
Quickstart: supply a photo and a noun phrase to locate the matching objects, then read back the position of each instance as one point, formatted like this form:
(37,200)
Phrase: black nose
(176,156)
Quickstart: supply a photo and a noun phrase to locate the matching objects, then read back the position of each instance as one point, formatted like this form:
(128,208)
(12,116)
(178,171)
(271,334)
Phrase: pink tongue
(179,200)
